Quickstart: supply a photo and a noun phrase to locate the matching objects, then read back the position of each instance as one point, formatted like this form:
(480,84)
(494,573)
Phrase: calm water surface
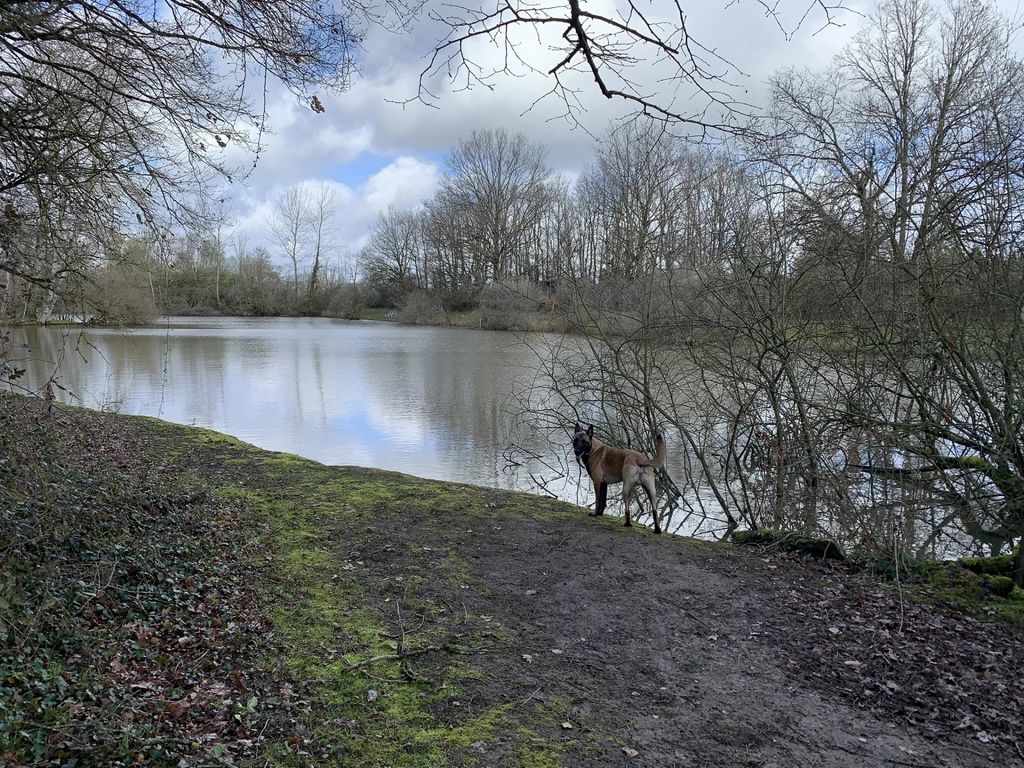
(433,402)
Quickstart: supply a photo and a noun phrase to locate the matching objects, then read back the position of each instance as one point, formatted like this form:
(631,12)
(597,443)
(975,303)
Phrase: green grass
(375,313)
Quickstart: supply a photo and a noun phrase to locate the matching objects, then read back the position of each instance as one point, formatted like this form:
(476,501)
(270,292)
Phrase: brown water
(432,402)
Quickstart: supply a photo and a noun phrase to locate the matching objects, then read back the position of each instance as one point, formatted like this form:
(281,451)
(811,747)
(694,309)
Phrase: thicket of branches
(830,314)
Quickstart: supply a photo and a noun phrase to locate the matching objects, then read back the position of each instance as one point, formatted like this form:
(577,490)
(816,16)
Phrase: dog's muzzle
(582,457)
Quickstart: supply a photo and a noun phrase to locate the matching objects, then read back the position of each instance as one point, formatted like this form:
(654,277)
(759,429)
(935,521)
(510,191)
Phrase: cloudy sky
(376,151)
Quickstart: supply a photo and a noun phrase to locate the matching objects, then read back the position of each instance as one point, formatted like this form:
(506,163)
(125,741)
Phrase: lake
(433,402)
(427,401)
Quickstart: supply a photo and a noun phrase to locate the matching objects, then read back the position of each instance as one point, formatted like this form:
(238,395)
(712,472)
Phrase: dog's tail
(660,452)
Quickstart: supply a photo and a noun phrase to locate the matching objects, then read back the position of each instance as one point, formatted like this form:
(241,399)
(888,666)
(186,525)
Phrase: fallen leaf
(177,709)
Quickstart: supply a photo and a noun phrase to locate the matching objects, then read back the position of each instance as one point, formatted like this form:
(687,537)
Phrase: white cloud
(369,125)
(404,183)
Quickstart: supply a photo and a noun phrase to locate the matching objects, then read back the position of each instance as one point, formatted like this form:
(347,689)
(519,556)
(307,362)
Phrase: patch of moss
(1001,565)
(372,716)
(999,585)
(980,595)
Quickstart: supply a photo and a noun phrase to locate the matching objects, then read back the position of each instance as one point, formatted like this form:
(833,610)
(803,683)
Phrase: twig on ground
(529,698)
(687,612)
(393,657)
(555,546)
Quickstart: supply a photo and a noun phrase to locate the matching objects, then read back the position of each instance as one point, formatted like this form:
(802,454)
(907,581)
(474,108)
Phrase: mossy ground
(345,592)
(989,596)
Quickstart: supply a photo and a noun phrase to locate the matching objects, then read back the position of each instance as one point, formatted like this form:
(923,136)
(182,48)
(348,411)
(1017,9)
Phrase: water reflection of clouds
(427,401)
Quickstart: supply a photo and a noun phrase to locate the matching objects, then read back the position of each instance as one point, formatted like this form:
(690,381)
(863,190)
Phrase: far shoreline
(476,319)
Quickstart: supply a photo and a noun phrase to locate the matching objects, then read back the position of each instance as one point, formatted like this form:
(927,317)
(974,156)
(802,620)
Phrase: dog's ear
(577,428)
(590,431)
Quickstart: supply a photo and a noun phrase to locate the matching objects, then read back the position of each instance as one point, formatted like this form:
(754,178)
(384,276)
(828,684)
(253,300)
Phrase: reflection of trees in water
(57,357)
(462,379)
(421,400)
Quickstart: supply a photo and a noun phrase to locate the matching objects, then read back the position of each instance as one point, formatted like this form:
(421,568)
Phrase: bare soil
(699,655)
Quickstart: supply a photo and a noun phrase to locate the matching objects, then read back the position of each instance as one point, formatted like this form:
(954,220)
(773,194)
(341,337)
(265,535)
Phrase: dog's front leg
(601,492)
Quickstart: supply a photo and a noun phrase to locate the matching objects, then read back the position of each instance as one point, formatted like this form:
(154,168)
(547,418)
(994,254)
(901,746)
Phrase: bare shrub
(120,295)
(348,302)
(420,308)
(511,305)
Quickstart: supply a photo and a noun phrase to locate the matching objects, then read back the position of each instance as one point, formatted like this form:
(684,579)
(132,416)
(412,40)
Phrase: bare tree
(289,225)
(642,56)
(116,114)
(393,255)
(631,191)
(902,166)
(322,225)
(499,185)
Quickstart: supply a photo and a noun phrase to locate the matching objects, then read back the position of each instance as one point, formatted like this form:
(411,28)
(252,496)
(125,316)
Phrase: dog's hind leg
(647,481)
(627,488)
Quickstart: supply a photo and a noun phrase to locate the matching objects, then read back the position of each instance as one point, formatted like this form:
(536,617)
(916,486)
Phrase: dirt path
(668,647)
(425,624)
(663,647)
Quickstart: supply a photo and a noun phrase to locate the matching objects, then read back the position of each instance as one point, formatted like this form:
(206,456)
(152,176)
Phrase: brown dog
(606,465)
